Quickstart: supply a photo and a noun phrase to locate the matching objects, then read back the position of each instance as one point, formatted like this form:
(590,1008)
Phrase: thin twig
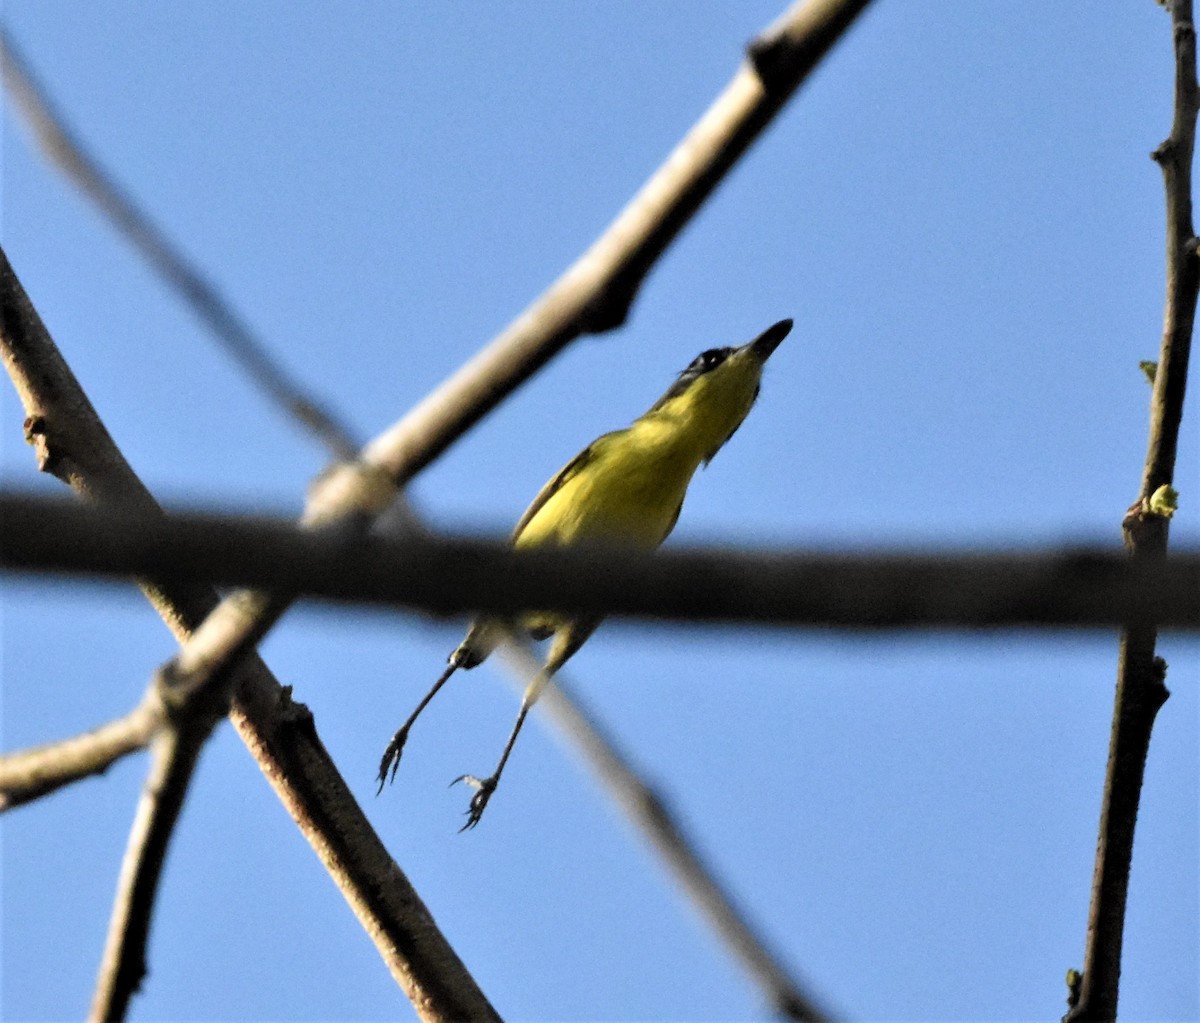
(451,575)
(650,814)
(175,752)
(29,774)
(64,150)
(73,443)
(1140,673)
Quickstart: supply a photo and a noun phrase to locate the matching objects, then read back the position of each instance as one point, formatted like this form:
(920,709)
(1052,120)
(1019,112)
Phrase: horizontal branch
(448,576)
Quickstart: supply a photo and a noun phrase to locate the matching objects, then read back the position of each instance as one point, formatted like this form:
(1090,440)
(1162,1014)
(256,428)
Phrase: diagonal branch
(64,150)
(782,58)
(652,816)
(175,752)
(595,293)
(30,774)
(1140,673)
(74,445)
(592,295)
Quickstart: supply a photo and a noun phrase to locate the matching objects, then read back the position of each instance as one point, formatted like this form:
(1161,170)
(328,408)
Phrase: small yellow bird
(626,487)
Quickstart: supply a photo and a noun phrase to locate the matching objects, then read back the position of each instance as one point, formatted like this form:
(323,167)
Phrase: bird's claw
(391,758)
(484,787)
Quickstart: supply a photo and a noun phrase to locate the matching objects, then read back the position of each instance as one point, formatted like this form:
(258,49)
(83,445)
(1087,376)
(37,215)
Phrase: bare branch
(64,150)
(73,443)
(447,575)
(123,964)
(30,774)
(1174,156)
(240,622)
(594,294)
(649,813)
(1140,673)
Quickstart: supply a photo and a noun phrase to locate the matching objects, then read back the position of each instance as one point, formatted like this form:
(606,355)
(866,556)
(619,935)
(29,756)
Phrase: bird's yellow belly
(629,494)
(626,501)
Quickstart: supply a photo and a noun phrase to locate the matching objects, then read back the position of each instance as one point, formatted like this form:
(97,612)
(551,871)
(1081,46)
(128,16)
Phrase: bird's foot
(391,758)
(484,787)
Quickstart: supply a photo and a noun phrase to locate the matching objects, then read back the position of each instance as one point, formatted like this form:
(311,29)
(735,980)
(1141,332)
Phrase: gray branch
(457,576)
(64,150)
(780,59)
(650,813)
(30,774)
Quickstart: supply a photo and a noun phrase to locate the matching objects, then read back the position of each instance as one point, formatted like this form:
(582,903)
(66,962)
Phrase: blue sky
(958,211)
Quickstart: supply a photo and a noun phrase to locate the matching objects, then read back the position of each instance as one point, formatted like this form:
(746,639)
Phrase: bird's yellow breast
(627,487)
(628,490)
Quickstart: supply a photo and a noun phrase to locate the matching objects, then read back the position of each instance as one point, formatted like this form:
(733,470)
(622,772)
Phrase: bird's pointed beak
(766,342)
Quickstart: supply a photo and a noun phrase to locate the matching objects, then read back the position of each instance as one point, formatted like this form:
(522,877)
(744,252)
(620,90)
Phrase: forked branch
(27,775)
(74,444)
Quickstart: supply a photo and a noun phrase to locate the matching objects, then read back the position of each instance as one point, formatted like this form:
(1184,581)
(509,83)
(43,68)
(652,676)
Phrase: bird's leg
(484,787)
(391,755)
(568,639)
(481,640)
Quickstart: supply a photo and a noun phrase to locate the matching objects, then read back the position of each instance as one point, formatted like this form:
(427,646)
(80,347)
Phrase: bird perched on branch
(626,487)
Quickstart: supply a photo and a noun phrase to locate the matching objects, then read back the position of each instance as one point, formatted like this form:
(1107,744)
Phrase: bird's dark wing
(567,472)
(674,519)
